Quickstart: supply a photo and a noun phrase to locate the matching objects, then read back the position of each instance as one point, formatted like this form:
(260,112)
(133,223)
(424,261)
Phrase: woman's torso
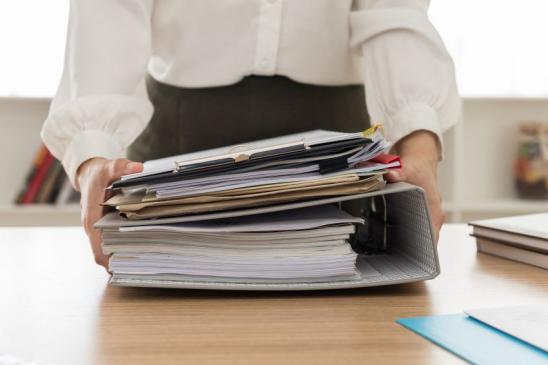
(201,43)
(257,107)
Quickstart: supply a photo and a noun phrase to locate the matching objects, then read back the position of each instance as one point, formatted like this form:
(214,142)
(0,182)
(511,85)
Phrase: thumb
(395,175)
(123,166)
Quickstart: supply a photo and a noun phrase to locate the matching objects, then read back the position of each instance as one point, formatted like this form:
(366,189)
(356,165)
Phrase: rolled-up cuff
(415,117)
(88,144)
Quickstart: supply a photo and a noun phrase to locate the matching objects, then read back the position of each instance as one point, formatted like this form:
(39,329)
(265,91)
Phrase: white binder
(405,241)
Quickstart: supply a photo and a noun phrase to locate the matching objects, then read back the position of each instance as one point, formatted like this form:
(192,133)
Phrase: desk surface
(56,307)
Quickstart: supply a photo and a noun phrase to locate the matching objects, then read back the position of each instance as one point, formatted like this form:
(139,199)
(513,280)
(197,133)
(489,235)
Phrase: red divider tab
(387,158)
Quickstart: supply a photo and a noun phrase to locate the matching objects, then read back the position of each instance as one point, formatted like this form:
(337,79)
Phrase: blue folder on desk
(474,341)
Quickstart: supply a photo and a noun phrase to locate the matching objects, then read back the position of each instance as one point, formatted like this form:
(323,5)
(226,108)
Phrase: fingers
(96,240)
(416,172)
(92,211)
(438,217)
(395,175)
(436,211)
(95,178)
(122,166)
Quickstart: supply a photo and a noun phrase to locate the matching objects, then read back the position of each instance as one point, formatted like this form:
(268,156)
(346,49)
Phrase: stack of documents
(291,168)
(191,215)
(305,244)
(520,238)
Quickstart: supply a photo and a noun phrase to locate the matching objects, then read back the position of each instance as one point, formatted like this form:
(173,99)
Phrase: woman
(226,72)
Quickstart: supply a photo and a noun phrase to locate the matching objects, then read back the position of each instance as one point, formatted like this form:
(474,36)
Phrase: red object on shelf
(38,179)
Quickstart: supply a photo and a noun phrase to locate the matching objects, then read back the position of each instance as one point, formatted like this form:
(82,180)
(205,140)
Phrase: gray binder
(407,249)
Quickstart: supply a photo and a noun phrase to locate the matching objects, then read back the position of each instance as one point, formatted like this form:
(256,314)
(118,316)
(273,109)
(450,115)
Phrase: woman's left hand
(419,156)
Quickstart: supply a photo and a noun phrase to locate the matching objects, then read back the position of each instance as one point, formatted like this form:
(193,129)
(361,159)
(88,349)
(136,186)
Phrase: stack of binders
(257,214)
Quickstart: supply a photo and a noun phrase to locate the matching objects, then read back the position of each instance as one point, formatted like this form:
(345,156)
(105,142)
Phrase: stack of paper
(304,245)
(318,164)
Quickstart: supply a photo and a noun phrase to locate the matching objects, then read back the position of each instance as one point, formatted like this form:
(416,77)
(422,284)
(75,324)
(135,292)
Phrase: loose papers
(350,165)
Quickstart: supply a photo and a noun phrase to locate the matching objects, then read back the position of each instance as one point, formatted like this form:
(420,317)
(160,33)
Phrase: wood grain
(56,307)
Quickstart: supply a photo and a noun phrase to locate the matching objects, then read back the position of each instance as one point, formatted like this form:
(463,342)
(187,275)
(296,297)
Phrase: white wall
(21,120)
(490,145)
(476,177)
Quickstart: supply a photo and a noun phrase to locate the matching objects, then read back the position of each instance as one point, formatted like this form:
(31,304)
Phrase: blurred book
(531,163)
(520,238)
(46,182)
(67,194)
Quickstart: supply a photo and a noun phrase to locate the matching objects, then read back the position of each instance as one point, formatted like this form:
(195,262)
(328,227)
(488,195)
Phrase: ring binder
(267,182)
(410,254)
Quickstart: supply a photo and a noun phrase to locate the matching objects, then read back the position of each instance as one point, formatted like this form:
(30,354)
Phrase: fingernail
(132,167)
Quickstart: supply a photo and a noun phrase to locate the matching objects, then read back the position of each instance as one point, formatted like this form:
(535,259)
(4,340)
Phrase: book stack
(244,213)
(521,238)
(46,182)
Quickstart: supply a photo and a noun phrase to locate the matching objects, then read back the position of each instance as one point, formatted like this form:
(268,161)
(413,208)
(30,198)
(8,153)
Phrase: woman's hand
(419,154)
(93,177)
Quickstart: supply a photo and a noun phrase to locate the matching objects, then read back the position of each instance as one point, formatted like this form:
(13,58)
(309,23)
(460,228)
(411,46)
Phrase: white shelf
(516,206)
(39,208)
(39,215)
(475,176)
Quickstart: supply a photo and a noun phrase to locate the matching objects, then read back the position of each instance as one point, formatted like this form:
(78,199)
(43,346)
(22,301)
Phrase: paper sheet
(528,323)
(290,222)
(172,210)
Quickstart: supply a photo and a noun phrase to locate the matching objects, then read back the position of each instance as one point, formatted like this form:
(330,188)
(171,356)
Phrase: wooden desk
(56,307)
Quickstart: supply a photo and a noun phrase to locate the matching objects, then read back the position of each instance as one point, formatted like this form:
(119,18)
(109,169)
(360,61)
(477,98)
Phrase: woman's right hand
(93,177)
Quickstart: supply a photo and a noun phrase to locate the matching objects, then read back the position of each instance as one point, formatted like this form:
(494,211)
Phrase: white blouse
(388,45)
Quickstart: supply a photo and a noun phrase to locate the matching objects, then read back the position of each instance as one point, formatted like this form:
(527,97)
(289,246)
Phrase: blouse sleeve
(409,75)
(100,107)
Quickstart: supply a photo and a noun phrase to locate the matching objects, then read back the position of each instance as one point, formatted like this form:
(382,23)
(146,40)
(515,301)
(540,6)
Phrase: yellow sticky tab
(371,130)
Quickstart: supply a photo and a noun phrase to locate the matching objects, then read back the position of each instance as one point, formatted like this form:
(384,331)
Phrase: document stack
(310,243)
(521,238)
(291,168)
(265,213)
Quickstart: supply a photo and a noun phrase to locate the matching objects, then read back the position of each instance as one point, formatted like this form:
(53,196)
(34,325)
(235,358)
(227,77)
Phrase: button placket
(268,35)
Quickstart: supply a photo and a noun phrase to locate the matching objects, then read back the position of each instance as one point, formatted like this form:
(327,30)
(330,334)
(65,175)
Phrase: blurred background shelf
(466,211)
(515,205)
(475,176)
(39,215)
(501,89)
